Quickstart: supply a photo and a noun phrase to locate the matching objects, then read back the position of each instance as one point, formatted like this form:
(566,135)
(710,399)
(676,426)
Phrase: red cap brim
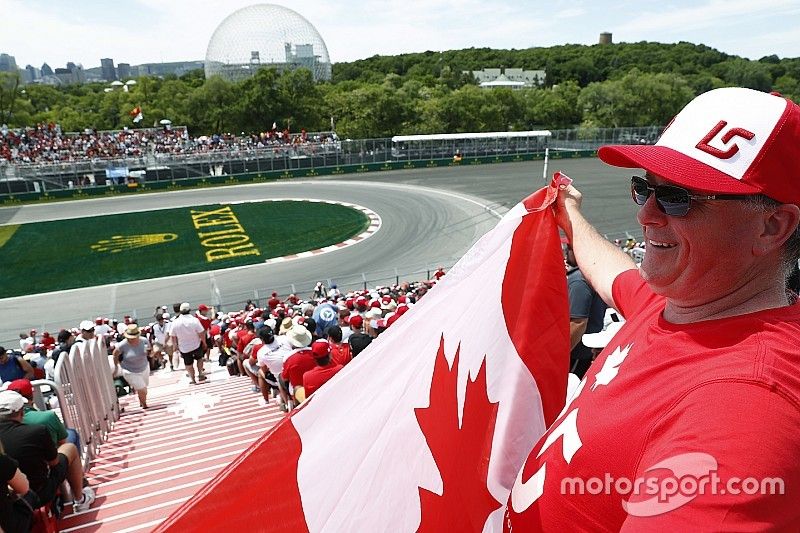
(674,167)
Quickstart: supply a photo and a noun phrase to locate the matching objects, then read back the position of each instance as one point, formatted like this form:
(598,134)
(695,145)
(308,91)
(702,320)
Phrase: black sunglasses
(670,199)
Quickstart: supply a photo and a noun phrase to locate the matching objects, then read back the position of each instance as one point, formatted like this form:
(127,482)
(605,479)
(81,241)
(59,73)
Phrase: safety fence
(84,385)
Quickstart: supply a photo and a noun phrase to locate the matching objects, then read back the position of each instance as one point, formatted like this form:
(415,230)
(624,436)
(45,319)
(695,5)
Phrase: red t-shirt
(296,365)
(726,391)
(244,336)
(272,303)
(205,322)
(48,342)
(318,376)
(340,353)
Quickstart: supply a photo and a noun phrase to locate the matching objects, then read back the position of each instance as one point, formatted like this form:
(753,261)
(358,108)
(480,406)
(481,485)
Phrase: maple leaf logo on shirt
(611,366)
(461,453)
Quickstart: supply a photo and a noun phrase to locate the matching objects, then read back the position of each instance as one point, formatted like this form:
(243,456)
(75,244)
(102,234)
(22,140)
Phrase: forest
(603,85)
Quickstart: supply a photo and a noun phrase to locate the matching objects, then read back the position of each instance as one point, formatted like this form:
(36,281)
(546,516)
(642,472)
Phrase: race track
(429,217)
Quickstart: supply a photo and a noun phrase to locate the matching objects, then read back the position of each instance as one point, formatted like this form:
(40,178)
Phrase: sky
(151,31)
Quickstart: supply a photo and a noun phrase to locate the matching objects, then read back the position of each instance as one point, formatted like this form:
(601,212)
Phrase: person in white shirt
(159,333)
(189,336)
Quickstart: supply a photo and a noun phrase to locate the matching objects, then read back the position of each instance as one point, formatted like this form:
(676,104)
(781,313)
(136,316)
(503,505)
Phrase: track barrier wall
(261,177)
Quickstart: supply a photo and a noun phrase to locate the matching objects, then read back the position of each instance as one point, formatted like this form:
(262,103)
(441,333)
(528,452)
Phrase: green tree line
(626,84)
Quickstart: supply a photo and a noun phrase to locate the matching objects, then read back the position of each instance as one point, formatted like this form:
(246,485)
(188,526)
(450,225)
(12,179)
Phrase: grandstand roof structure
(265,35)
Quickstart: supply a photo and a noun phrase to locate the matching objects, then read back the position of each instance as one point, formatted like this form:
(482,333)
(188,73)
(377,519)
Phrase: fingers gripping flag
(427,429)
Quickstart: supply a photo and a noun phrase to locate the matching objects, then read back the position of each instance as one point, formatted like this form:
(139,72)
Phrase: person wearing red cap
(48,342)
(205,321)
(325,369)
(701,382)
(31,415)
(358,340)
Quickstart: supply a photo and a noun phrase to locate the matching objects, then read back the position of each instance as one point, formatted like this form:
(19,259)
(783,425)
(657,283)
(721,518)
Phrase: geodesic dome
(266,35)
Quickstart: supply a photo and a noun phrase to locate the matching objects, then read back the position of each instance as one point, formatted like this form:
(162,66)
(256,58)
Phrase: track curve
(421,227)
(430,217)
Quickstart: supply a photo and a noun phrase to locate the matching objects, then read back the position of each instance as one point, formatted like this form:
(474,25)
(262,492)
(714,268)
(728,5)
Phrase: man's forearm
(599,260)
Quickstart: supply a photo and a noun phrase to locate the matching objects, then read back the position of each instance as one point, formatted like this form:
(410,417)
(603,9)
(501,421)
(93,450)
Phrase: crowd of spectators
(287,349)
(46,143)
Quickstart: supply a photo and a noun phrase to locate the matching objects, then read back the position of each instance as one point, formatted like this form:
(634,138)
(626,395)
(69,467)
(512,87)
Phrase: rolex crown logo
(119,243)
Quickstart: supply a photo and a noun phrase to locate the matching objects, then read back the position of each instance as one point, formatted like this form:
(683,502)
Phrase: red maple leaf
(461,453)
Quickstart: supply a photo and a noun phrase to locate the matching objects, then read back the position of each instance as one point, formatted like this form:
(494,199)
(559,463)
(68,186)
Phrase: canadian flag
(427,429)
(136,113)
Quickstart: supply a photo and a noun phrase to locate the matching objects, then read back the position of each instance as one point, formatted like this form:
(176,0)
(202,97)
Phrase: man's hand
(568,201)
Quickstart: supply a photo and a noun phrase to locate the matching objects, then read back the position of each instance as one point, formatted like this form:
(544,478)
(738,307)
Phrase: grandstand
(121,503)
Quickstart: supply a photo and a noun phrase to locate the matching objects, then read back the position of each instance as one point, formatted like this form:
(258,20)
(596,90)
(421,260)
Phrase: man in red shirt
(325,369)
(244,336)
(688,418)
(205,321)
(273,302)
(298,362)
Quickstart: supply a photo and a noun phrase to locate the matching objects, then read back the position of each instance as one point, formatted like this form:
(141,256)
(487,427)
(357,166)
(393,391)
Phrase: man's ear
(778,226)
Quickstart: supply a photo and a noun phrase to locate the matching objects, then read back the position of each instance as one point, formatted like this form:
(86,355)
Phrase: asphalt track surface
(430,217)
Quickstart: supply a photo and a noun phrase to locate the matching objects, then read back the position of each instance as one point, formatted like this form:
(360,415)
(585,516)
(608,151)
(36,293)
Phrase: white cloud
(712,14)
(570,12)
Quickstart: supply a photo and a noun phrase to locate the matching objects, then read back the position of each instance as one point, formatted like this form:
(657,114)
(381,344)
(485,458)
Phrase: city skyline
(150,31)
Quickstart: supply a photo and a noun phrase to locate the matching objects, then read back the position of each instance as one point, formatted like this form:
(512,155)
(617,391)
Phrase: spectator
(258,361)
(12,518)
(340,350)
(47,341)
(706,364)
(13,366)
(297,362)
(202,315)
(49,419)
(102,329)
(26,342)
(65,341)
(45,465)
(189,336)
(246,335)
(358,339)
(131,355)
(159,335)
(86,331)
(586,312)
(316,377)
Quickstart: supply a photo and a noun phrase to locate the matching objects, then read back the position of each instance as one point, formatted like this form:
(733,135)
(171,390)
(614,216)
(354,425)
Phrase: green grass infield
(65,254)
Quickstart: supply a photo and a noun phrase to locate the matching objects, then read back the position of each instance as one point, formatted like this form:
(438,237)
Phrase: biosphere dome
(265,35)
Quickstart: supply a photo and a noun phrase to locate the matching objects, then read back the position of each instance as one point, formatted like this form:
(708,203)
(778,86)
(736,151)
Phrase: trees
(638,99)
(9,92)
(621,84)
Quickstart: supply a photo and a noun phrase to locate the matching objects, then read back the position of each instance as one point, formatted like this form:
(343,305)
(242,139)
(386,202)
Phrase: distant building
(513,78)
(605,38)
(28,74)
(178,68)
(8,63)
(46,70)
(78,75)
(124,71)
(107,67)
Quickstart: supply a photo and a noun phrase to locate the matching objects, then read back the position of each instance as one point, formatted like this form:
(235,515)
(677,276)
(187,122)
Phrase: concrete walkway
(156,459)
